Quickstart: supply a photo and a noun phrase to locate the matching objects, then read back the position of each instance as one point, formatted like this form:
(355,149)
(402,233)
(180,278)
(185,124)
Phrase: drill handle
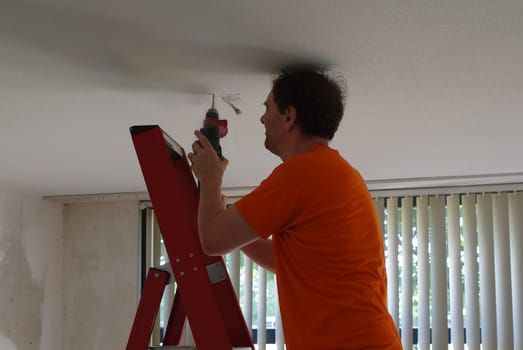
(213,135)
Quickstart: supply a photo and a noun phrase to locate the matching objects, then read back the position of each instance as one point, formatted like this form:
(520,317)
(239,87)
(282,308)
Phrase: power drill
(214,128)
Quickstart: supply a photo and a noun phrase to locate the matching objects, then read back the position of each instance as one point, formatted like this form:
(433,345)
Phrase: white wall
(100,274)
(31,274)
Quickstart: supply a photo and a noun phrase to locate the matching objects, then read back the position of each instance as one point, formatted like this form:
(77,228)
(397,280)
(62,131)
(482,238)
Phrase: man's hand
(205,163)
(221,230)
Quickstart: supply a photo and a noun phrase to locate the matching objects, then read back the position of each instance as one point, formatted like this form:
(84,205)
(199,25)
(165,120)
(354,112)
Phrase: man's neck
(302,145)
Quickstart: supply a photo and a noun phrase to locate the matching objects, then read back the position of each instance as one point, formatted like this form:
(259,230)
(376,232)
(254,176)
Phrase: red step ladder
(204,294)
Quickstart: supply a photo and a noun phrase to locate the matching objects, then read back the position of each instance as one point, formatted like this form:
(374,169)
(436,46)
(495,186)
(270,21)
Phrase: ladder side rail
(147,309)
(175,325)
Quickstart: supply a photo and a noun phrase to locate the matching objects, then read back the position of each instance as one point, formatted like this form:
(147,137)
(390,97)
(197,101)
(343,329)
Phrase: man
(326,247)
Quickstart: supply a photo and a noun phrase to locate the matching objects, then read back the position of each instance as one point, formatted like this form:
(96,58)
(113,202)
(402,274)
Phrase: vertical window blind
(454,265)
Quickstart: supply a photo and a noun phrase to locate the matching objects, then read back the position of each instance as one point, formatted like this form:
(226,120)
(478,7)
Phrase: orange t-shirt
(328,251)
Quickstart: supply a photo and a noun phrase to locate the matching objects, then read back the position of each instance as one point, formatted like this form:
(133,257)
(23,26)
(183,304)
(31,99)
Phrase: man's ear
(290,116)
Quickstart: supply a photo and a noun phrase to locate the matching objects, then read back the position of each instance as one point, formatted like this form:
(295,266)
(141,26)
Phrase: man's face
(274,123)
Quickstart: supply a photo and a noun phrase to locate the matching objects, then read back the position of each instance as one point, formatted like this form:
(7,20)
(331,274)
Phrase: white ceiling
(435,87)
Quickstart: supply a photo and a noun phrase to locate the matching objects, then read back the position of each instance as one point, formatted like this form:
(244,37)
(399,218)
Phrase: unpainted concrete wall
(31,273)
(100,273)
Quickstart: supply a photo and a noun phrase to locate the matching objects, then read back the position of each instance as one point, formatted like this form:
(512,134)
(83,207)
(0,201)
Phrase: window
(454,264)
(454,269)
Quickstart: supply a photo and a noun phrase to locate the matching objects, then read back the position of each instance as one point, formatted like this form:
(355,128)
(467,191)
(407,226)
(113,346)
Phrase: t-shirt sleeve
(271,207)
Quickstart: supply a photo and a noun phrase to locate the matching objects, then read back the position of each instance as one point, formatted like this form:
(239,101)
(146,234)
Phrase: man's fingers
(204,141)
(195,146)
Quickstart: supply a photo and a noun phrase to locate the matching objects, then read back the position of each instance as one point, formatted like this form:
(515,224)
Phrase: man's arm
(221,233)
(262,252)
(221,230)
